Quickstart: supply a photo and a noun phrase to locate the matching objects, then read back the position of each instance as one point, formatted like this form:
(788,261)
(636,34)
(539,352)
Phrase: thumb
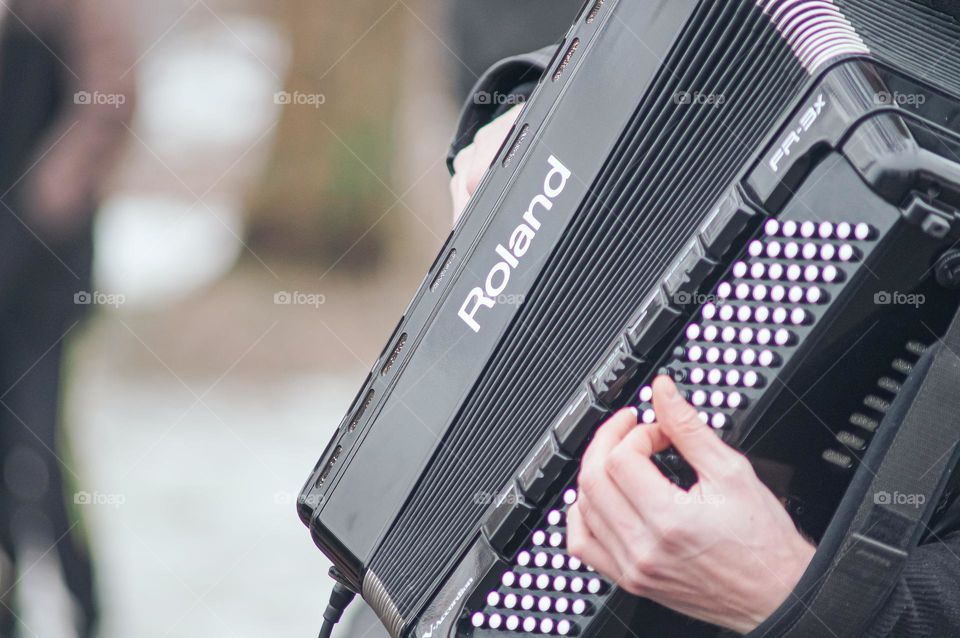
(694,439)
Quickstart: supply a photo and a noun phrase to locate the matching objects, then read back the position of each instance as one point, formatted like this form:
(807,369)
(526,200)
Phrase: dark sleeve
(926,600)
(508,82)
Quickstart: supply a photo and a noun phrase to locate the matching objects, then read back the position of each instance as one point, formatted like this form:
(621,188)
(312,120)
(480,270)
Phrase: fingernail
(636,412)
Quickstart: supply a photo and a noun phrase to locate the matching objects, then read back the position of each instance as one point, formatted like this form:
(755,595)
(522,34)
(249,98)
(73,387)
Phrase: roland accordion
(757,197)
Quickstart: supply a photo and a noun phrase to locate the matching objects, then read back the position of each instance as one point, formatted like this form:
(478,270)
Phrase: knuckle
(585,508)
(638,557)
(618,462)
(671,531)
(588,482)
(461,159)
(667,532)
(631,580)
(576,544)
(473,181)
(642,565)
(688,421)
(486,135)
(675,537)
(736,468)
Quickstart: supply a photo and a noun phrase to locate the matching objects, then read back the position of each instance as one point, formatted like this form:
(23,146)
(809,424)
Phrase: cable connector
(340,599)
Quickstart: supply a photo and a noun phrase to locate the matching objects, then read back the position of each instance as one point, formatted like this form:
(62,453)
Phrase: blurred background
(264,185)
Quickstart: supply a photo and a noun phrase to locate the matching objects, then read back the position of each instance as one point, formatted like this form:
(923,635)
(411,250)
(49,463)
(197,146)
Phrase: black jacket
(926,601)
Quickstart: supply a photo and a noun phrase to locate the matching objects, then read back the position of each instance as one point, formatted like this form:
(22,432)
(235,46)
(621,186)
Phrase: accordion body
(757,197)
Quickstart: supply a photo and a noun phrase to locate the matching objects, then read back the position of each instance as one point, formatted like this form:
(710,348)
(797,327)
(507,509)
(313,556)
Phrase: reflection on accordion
(757,197)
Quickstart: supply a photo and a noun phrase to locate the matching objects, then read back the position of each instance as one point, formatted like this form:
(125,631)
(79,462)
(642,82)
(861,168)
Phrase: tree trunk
(327,188)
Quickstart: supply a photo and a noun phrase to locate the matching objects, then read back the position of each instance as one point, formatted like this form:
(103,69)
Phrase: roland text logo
(518,244)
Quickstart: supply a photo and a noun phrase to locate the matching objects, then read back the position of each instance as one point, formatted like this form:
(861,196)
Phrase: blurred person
(66,94)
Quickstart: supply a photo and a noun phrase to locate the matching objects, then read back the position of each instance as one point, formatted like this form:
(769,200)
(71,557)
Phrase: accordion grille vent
(908,34)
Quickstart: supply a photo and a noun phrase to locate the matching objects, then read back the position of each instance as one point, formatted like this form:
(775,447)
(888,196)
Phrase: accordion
(757,197)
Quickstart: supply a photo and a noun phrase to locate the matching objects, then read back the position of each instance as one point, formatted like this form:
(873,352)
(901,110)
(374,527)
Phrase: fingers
(609,435)
(603,508)
(644,486)
(620,486)
(600,497)
(471,164)
(601,502)
(608,516)
(646,440)
(694,439)
(463,160)
(582,543)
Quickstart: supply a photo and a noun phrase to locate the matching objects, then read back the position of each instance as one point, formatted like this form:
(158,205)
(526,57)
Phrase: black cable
(340,599)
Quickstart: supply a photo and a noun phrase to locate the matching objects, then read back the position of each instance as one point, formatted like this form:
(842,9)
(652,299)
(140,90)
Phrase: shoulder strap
(896,508)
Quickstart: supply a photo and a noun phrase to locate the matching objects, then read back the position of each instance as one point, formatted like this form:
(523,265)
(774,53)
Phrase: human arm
(726,552)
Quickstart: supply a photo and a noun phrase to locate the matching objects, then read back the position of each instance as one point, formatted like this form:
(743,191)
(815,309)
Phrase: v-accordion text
(758,197)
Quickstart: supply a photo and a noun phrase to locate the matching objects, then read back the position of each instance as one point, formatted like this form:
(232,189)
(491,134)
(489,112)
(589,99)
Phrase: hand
(54,204)
(726,552)
(470,164)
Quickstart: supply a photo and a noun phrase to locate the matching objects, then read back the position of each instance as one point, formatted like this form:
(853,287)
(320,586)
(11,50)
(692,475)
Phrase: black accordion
(757,197)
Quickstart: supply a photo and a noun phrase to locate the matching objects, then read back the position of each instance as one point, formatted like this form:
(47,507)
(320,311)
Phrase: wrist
(788,572)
